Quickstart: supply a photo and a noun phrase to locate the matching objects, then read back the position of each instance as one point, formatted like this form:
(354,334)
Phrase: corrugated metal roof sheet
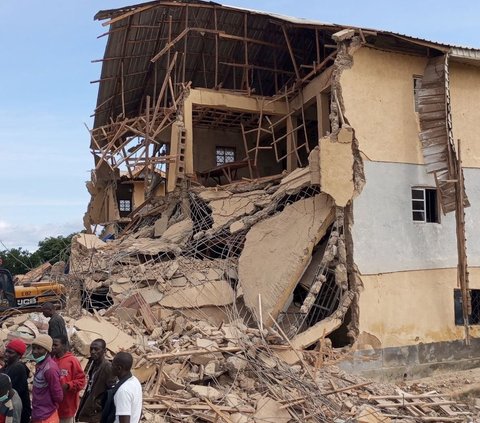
(137,33)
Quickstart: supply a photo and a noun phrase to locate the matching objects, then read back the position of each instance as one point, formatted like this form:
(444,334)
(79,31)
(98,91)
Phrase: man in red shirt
(72,378)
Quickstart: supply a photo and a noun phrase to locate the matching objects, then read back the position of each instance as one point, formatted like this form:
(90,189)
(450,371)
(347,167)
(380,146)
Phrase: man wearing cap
(47,392)
(18,373)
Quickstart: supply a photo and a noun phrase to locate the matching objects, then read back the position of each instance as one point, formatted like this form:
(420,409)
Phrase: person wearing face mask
(100,378)
(10,402)
(18,374)
(47,392)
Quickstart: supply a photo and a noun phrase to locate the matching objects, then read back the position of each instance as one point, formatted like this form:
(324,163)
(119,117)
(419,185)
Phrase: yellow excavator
(28,297)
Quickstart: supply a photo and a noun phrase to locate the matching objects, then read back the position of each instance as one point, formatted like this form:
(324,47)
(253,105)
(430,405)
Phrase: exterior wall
(394,255)
(464,95)
(138,196)
(415,307)
(378,97)
(386,239)
(139,193)
(408,268)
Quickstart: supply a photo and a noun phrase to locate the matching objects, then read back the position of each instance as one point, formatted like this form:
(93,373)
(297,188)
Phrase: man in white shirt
(128,396)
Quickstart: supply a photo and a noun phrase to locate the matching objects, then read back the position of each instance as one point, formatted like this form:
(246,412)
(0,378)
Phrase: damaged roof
(143,38)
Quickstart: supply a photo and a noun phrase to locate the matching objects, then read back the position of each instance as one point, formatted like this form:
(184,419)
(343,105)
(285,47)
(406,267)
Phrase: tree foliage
(52,249)
(17,261)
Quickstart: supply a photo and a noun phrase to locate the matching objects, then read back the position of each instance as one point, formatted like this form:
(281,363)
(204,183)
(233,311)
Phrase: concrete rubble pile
(193,371)
(215,291)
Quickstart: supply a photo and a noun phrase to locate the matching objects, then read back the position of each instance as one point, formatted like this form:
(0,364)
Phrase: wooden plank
(433,107)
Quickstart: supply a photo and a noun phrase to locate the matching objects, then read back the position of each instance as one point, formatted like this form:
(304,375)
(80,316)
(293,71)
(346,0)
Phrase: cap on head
(43,341)
(17,345)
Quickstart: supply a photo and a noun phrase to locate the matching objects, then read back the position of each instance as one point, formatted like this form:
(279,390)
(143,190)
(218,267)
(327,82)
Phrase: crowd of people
(111,394)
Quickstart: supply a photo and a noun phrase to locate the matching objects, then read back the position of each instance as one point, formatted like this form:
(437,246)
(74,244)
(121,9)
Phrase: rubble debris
(217,293)
(116,339)
(35,275)
(281,246)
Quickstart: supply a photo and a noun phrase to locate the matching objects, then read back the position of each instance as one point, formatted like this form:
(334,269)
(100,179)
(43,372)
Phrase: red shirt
(71,373)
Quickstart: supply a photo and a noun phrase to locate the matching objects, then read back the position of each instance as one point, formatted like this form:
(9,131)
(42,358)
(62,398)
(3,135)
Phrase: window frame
(221,151)
(425,202)
(474,317)
(124,201)
(415,91)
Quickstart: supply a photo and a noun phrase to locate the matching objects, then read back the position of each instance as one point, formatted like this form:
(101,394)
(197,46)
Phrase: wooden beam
(290,50)
(226,101)
(128,14)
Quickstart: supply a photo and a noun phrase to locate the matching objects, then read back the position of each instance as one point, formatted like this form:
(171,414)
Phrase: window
(125,205)
(225,155)
(417,84)
(425,205)
(474,317)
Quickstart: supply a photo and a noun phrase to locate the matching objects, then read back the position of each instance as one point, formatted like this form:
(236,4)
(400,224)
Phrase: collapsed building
(301,175)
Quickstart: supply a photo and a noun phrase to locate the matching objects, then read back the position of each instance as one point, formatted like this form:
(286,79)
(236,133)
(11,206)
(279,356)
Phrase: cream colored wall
(406,308)
(139,192)
(206,140)
(378,98)
(465,95)
(138,196)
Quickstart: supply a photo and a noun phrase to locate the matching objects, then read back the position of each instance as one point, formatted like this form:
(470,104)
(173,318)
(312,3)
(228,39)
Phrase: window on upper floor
(425,207)
(224,155)
(125,205)
(417,84)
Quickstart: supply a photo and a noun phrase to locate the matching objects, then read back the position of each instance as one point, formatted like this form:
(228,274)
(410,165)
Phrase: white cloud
(27,236)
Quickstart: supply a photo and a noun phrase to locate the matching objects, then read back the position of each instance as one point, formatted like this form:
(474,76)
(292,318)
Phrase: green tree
(18,261)
(53,249)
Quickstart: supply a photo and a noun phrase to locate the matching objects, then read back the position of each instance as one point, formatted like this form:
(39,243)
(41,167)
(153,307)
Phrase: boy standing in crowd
(72,379)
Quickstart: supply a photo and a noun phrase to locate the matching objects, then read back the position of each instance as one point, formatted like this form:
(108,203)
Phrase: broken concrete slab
(215,316)
(151,295)
(234,207)
(270,411)
(368,414)
(36,274)
(89,241)
(307,338)
(179,233)
(281,246)
(205,392)
(218,293)
(214,194)
(336,167)
(81,340)
(116,339)
(294,181)
(160,226)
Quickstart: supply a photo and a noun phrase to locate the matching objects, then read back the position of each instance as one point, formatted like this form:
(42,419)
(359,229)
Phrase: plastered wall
(465,101)
(379,103)
(385,237)
(406,308)
(205,142)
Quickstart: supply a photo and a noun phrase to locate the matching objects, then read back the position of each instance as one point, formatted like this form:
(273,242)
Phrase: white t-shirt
(128,400)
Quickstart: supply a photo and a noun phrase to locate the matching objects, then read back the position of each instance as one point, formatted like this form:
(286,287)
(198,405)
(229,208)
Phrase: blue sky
(46,95)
